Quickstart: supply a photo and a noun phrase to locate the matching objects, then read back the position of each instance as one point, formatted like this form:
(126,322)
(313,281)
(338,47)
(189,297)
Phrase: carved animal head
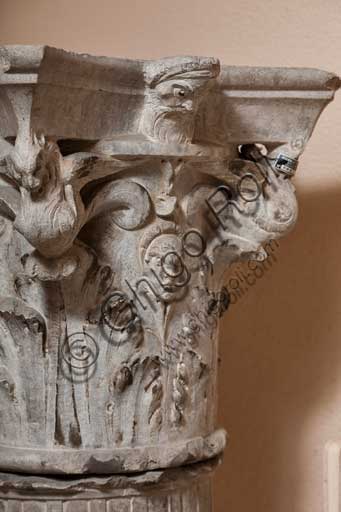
(28,162)
(175,88)
(247,209)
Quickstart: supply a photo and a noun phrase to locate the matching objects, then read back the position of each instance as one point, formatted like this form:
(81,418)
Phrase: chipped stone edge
(121,460)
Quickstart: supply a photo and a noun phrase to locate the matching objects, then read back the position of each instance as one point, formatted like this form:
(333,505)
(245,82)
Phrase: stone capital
(127,189)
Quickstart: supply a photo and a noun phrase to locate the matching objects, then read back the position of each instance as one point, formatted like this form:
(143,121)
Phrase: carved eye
(180,92)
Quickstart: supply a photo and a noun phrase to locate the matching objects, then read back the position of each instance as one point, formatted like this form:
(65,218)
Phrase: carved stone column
(127,190)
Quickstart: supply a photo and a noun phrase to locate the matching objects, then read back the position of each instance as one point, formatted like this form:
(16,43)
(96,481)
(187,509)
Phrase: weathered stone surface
(185,489)
(127,189)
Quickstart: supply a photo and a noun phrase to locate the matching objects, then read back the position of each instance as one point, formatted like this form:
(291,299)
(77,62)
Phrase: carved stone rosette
(127,190)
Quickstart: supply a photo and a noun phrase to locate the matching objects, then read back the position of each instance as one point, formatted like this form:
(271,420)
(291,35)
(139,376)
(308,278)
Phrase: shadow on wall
(280,371)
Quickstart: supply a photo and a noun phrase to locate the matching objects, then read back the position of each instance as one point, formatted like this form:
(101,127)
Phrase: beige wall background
(280,375)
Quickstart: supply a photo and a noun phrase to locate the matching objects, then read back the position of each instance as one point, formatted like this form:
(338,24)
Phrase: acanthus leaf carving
(47,207)
(119,226)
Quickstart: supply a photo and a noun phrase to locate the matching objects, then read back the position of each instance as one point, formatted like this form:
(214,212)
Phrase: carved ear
(41,140)
(38,140)
(128,201)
